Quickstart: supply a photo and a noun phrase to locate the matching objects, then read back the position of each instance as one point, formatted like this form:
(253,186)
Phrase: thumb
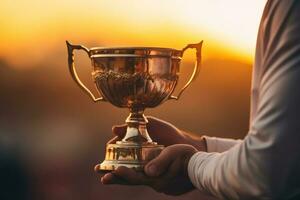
(119,130)
(160,164)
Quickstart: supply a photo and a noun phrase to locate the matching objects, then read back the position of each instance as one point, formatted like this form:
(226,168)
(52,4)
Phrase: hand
(163,133)
(167,173)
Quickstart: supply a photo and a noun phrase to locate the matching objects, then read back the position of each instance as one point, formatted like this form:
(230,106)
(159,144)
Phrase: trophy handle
(197,67)
(74,72)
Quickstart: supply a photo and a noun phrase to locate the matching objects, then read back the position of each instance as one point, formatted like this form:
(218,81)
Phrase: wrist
(198,142)
(203,143)
(186,158)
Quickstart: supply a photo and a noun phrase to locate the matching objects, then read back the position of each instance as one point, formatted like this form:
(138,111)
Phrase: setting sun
(38,27)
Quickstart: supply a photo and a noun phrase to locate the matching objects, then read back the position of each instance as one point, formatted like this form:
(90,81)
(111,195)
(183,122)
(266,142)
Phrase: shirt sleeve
(265,165)
(216,144)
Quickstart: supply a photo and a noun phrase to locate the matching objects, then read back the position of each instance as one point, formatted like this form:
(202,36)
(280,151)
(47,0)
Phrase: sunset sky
(37,28)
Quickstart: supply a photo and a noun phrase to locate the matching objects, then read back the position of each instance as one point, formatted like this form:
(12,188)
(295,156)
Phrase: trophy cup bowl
(135,78)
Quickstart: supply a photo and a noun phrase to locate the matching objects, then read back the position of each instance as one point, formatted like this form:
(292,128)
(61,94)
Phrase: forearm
(210,144)
(198,142)
(231,174)
(215,144)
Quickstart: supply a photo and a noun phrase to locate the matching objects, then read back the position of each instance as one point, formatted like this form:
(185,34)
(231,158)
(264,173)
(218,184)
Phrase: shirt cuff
(220,145)
(195,168)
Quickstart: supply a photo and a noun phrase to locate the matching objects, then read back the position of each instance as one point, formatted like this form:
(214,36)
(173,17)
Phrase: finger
(163,132)
(159,165)
(152,119)
(110,178)
(131,176)
(119,130)
(174,169)
(114,140)
(162,183)
(155,128)
(152,153)
(156,122)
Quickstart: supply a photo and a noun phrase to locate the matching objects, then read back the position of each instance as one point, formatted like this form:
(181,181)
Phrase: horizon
(39,29)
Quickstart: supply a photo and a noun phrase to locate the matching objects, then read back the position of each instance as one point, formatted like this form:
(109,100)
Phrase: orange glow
(36,28)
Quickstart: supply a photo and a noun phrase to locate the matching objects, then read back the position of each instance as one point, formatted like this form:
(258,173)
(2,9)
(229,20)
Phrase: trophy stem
(135,149)
(136,128)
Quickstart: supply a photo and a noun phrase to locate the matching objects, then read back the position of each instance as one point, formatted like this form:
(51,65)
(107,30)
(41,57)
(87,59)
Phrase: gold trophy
(134,78)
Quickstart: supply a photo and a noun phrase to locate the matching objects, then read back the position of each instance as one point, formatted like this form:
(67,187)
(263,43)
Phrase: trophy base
(131,155)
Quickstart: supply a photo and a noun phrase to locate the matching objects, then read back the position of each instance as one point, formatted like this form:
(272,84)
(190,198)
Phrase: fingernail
(151,170)
(103,181)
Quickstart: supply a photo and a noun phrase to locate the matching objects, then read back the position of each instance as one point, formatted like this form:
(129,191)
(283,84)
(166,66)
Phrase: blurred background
(52,134)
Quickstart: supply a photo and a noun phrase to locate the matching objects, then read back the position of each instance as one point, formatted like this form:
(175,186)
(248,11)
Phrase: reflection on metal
(136,78)
(128,155)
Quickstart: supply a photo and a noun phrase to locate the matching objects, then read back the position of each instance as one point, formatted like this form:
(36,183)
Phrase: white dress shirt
(266,163)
